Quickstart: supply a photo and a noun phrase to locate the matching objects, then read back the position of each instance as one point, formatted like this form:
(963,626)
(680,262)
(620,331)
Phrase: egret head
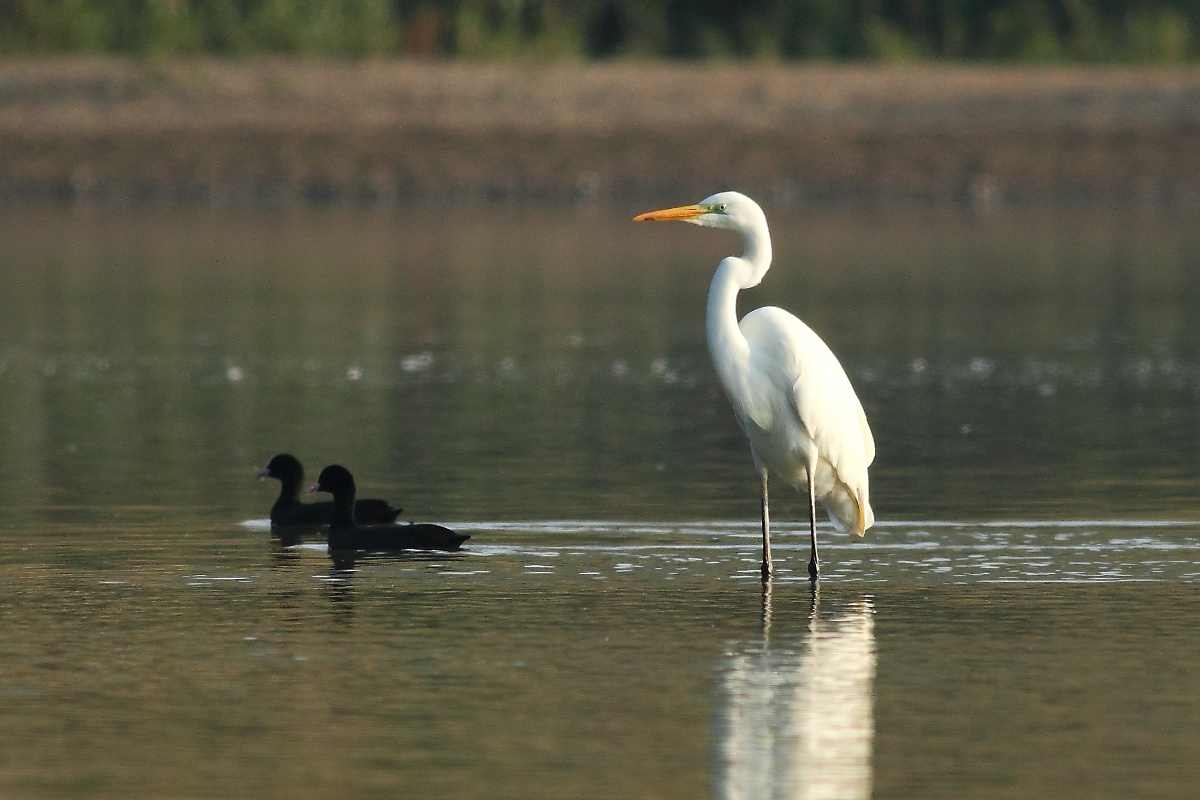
(730,210)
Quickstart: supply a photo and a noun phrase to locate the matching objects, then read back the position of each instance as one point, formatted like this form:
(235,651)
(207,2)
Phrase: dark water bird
(290,511)
(347,534)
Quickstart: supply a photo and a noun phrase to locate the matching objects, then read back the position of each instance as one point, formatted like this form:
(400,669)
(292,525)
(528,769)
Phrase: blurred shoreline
(277,132)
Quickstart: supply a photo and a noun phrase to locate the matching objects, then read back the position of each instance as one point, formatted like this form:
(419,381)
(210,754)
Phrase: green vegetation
(1123,31)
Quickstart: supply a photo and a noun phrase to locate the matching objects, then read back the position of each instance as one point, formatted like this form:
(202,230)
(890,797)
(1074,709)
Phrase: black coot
(288,510)
(347,534)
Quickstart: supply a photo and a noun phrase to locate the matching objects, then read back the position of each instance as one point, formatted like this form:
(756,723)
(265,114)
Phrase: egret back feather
(805,402)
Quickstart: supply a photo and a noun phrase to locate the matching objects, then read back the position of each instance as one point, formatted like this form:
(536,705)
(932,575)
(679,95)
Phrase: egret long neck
(728,347)
(757,240)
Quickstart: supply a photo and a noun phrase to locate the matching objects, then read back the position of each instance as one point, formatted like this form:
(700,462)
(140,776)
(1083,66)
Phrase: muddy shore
(400,131)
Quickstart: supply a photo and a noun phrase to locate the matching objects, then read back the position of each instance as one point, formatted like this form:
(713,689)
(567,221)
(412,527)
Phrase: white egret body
(789,392)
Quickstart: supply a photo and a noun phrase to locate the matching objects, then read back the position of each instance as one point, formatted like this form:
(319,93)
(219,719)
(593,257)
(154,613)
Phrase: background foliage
(1123,31)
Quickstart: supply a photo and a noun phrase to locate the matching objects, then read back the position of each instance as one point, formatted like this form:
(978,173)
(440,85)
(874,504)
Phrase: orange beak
(680,212)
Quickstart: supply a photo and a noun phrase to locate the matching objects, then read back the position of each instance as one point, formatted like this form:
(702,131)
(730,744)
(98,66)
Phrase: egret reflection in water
(797,713)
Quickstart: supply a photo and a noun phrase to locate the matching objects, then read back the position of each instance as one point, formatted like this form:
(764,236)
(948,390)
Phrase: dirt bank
(283,131)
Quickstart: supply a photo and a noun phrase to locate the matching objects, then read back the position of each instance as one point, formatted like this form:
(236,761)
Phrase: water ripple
(926,551)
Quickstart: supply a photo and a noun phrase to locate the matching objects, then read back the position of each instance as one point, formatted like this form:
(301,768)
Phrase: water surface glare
(1021,551)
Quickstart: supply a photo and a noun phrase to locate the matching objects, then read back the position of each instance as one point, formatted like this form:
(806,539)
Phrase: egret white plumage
(790,393)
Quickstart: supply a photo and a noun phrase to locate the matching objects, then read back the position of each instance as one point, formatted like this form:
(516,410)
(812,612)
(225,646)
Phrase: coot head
(285,467)
(336,480)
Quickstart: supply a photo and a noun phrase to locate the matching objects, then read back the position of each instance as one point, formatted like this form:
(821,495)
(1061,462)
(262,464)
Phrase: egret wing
(820,395)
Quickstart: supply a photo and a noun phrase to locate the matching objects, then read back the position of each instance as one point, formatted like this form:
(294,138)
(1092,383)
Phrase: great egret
(789,392)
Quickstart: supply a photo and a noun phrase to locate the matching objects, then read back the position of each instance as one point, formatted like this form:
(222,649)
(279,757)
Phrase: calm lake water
(1022,622)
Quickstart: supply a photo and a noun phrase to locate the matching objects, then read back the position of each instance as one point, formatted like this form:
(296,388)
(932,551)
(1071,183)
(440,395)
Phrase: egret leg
(814,564)
(766,531)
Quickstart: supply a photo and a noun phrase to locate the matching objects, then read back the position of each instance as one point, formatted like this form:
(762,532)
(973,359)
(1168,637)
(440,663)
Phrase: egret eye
(721,208)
